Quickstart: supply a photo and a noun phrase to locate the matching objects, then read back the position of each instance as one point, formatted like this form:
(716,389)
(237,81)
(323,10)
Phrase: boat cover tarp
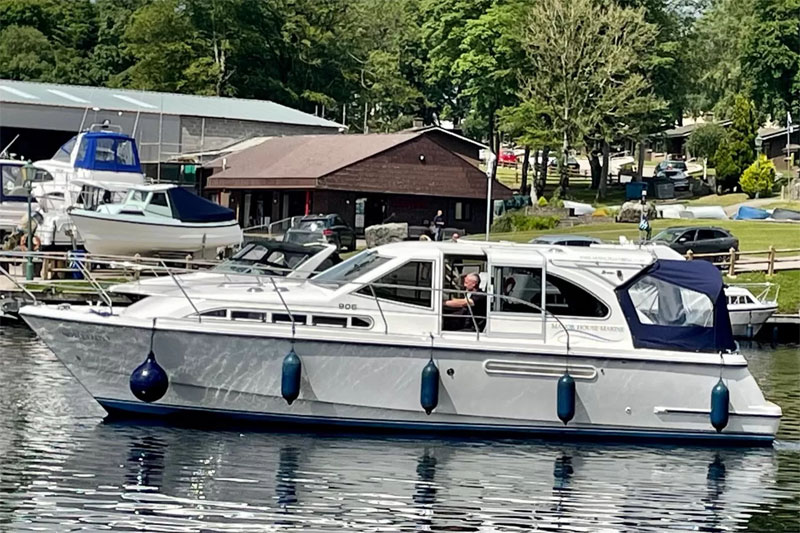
(785,214)
(750,213)
(708,211)
(188,207)
(700,276)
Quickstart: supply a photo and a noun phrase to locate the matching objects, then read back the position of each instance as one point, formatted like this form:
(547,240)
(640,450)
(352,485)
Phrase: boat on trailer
(569,343)
(158,219)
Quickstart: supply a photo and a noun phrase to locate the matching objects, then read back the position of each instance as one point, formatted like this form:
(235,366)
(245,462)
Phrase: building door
(374,211)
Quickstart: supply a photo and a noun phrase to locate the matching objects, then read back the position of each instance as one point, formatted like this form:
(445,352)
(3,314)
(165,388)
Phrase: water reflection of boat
(210,481)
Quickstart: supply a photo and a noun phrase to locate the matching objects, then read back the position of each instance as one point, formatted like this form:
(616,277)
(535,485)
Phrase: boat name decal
(83,336)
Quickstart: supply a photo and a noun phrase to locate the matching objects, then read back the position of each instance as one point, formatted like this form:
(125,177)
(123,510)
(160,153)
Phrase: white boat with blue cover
(629,346)
(101,155)
(158,219)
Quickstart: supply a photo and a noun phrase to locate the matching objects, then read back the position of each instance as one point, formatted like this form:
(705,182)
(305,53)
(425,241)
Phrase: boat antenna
(5,150)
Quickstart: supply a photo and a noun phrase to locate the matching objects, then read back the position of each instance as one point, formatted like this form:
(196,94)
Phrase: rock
(632,212)
(385,233)
(794,189)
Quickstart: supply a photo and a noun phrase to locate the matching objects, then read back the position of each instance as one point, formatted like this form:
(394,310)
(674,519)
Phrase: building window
(518,287)
(463,211)
(409,284)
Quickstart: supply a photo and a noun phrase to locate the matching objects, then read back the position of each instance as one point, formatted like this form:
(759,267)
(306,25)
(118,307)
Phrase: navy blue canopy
(663,316)
(189,207)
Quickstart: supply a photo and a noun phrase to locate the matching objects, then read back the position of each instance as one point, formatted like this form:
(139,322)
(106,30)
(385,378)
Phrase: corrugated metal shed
(75,96)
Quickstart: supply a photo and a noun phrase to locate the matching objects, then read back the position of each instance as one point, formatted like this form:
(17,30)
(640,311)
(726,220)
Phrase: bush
(759,177)
(517,221)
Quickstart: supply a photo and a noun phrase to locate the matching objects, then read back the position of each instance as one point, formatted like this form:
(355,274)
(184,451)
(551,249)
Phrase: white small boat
(158,219)
(748,311)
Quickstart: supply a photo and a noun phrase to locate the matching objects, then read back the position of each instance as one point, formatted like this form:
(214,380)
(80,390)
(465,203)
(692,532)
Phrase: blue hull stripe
(128,409)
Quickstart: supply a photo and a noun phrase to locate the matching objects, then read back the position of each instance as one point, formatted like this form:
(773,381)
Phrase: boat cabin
(504,293)
(168,201)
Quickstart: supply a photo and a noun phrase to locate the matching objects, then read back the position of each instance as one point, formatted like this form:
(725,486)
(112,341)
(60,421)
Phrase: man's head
(454,237)
(439,213)
(471,281)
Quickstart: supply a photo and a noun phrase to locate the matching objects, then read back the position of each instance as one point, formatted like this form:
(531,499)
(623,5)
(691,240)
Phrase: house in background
(399,177)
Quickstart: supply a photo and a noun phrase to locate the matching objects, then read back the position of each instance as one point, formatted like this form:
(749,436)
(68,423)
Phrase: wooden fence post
(771,267)
(137,272)
(188,261)
(732,265)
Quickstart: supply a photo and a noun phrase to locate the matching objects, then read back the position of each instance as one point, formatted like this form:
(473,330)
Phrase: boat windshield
(256,258)
(352,268)
(669,235)
(65,152)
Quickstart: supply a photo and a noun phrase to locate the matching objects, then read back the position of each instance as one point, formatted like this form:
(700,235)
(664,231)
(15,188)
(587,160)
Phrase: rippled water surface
(63,469)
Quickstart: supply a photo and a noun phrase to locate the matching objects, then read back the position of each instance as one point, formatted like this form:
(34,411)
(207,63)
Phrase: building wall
(221,132)
(401,170)
(773,149)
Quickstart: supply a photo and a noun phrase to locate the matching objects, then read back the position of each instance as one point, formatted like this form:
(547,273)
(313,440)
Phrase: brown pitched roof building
(399,177)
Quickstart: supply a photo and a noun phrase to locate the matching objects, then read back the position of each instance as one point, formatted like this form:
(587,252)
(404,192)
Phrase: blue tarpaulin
(698,276)
(189,207)
(750,213)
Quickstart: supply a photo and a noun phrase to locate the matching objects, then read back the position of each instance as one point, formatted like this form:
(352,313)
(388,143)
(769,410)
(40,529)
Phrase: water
(63,469)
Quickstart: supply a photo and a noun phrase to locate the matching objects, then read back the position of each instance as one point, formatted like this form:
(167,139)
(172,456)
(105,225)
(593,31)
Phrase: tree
(737,151)
(772,57)
(25,54)
(759,177)
(717,48)
(591,72)
(704,142)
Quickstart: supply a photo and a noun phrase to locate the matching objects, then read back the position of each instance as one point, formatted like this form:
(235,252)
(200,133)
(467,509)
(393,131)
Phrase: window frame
(365,290)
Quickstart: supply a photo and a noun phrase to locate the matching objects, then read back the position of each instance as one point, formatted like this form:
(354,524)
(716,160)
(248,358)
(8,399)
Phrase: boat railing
(766,292)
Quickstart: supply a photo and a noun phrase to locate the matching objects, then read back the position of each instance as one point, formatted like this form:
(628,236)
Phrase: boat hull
(109,236)
(237,377)
(740,319)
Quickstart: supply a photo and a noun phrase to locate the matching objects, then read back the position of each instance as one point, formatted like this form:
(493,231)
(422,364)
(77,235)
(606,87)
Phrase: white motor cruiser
(558,341)
(157,219)
(749,312)
(100,155)
(13,196)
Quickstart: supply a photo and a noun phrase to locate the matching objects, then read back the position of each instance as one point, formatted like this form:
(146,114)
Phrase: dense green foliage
(482,64)
(737,150)
(705,140)
(758,178)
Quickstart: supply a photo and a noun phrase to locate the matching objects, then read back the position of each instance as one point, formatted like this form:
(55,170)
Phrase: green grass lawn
(752,235)
(723,200)
(788,280)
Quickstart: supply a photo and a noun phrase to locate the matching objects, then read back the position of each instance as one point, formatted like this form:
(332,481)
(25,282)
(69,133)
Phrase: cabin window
(158,205)
(409,284)
(519,290)
(125,153)
(12,181)
(160,199)
(333,321)
(253,316)
(215,313)
(361,322)
(662,303)
(104,150)
(283,318)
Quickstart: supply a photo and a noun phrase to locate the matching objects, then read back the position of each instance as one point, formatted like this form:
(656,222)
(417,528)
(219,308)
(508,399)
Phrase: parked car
(698,239)
(572,163)
(679,179)
(566,240)
(322,228)
(671,164)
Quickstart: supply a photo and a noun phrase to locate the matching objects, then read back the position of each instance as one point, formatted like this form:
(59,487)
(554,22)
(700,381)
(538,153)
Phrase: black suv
(322,228)
(698,239)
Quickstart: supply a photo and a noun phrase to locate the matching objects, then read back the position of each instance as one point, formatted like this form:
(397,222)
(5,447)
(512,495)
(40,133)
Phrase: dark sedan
(323,228)
(698,239)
